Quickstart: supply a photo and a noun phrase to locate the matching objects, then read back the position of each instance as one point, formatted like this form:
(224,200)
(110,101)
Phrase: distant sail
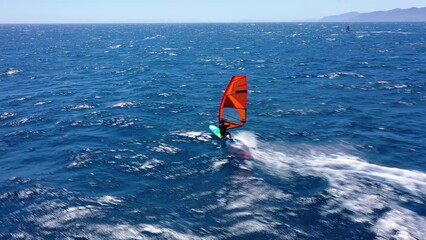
(233,107)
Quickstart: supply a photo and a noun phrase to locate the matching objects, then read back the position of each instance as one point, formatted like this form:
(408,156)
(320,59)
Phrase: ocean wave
(108,200)
(24,134)
(165,148)
(122,122)
(23,194)
(42,103)
(80,107)
(6,115)
(214,59)
(22,121)
(170,49)
(83,158)
(391,32)
(12,71)
(397,86)
(400,223)
(125,104)
(58,216)
(200,136)
(335,75)
(115,46)
(231,48)
(113,122)
(281,112)
(136,231)
(166,95)
(148,165)
(158,36)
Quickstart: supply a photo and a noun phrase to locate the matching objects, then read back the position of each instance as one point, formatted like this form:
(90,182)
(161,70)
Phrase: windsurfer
(348,29)
(223,126)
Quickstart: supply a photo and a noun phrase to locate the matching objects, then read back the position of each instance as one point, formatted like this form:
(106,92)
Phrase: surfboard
(215,130)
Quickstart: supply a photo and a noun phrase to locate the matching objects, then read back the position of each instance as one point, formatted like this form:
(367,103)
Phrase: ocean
(104,131)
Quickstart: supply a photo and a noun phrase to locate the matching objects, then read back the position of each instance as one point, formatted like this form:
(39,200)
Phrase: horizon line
(85,23)
(236,22)
(183,22)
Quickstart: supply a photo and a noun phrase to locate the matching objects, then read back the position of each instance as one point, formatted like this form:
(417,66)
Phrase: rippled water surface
(104,132)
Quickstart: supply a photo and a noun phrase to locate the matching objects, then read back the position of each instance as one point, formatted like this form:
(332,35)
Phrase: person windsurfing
(223,127)
(232,108)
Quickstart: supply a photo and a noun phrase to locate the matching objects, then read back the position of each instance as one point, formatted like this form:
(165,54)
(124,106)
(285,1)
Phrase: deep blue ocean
(104,131)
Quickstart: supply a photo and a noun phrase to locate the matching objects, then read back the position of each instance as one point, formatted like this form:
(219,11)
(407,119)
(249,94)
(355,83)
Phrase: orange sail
(233,107)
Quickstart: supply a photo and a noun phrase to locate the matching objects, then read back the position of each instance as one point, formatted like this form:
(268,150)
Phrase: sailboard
(215,130)
(233,106)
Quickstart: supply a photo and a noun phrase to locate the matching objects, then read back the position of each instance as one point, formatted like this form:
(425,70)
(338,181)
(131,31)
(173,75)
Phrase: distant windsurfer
(223,127)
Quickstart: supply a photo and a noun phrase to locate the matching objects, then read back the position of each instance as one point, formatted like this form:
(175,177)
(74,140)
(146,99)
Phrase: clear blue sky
(148,11)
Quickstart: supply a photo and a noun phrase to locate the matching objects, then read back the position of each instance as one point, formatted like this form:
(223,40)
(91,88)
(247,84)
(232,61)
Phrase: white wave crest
(165,148)
(200,136)
(124,104)
(6,115)
(140,231)
(109,200)
(401,223)
(12,71)
(115,46)
(63,215)
(42,103)
(150,164)
(81,106)
(334,75)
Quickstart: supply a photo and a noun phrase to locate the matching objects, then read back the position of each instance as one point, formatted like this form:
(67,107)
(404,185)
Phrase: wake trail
(354,184)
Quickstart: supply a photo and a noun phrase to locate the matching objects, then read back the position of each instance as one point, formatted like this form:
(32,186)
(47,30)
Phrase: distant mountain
(395,15)
(340,18)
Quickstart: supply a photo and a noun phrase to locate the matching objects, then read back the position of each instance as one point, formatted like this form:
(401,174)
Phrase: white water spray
(354,184)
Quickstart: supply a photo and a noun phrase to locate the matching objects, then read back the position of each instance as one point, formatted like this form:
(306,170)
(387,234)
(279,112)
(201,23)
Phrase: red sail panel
(233,107)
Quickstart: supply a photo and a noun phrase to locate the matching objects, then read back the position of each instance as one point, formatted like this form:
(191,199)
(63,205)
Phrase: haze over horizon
(184,11)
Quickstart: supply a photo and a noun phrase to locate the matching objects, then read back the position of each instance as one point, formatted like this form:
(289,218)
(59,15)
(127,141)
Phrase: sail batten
(233,107)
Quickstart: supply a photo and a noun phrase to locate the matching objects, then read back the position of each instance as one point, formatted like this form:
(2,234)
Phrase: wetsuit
(223,131)
(223,126)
